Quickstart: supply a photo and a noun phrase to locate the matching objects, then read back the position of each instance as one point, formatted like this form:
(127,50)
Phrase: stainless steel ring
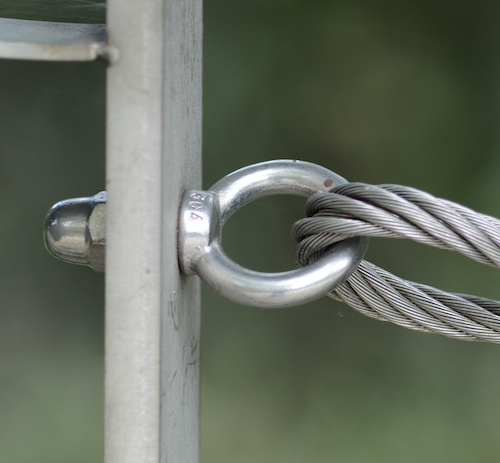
(204,213)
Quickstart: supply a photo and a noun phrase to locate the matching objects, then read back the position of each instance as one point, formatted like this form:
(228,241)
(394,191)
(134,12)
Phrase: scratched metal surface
(153,154)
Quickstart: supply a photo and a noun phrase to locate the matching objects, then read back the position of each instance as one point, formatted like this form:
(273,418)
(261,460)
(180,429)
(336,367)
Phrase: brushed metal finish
(153,154)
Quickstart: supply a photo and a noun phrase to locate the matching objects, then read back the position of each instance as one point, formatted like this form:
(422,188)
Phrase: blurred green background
(378,91)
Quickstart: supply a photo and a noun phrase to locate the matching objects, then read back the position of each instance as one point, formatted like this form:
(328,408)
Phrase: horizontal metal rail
(52,41)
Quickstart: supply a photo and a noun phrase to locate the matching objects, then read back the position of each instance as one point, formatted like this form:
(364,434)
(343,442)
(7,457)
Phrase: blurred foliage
(378,91)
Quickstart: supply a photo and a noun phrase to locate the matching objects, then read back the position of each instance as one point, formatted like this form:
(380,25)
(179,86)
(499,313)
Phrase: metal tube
(153,153)
(52,41)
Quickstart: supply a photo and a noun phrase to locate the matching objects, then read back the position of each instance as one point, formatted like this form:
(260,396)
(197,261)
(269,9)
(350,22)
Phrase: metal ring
(203,214)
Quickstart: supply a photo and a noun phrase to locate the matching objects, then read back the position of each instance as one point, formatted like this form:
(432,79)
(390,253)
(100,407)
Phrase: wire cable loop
(396,211)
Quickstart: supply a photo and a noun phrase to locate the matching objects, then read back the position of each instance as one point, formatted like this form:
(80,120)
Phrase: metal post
(153,153)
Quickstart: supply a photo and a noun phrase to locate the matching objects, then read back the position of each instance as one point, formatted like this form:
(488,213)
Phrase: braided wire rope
(396,211)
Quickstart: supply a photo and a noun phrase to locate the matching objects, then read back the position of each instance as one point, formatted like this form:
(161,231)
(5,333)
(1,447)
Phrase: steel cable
(396,211)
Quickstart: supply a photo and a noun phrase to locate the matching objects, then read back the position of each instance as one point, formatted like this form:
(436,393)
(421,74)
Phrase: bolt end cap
(67,234)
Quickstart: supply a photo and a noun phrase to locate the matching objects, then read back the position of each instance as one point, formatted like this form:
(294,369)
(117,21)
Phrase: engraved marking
(198,196)
(195,216)
(197,206)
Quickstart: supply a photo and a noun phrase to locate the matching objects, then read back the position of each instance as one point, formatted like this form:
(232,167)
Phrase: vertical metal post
(153,153)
